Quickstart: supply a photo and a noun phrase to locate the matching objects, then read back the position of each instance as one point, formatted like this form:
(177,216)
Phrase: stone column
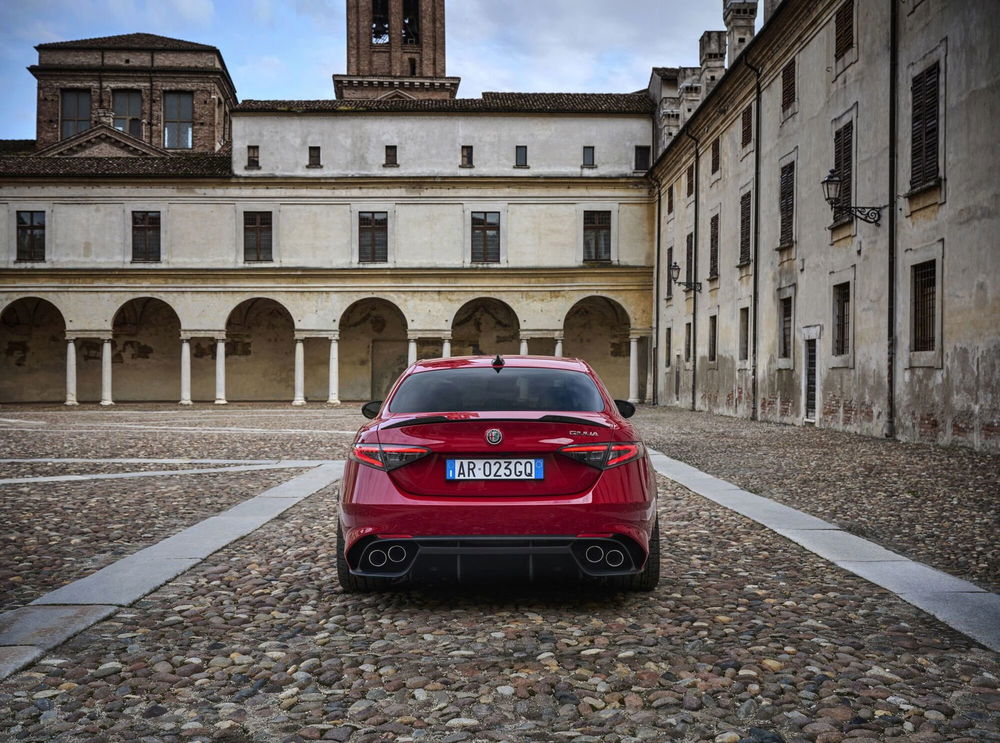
(446,345)
(220,370)
(633,369)
(71,371)
(300,372)
(334,398)
(106,372)
(411,351)
(559,345)
(185,371)
(523,350)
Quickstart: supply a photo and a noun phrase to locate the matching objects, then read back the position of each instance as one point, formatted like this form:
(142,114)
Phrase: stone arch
(485,326)
(596,329)
(260,351)
(146,352)
(32,351)
(373,348)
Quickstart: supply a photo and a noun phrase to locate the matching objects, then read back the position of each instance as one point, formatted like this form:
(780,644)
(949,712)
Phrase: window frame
(842,59)
(168,122)
(146,230)
(467,156)
(714,241)
(244,213)
(786,204)
(785,352)
(32,230)
(521,156)
(743,340)
(62,112)
(589,229)
(486,229)
(745,257)
(689,179)
(670,199)
(669,291)
(713,340)
(372,230)
(689,259)
(391,156)
(716,157)
(688,344)
(128,118)
(589,153)
(922,151)
(253,157)
(642,154)
(845,359)
(315,155)
(789,89)
(747,128)
(840,150)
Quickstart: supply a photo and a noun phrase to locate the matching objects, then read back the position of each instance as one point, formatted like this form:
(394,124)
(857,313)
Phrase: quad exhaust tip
(397,553)
(377,558)
(594,554)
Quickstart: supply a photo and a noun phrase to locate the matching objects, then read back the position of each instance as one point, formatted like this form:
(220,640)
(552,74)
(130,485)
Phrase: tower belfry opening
(395,48)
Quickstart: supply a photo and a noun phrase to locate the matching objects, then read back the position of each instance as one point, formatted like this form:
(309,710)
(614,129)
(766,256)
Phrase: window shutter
(713,261)
(689,269)
(690,180)
(745,216)
(844,29)
(670,199)
(843,161)
(670,279)
(788,86)
(786,203)
(924,145)
(747,125)
(715,155)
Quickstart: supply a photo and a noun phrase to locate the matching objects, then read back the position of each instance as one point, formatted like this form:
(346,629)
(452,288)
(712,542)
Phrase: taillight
(604,456)
(387,456)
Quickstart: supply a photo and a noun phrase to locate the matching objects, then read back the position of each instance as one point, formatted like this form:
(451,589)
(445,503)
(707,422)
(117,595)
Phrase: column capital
(219,337)
(637,333)
(100,335)
(187,335)
(301,335)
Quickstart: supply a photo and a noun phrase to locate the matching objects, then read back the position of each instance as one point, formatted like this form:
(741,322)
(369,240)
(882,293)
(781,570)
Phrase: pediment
(396,95)
(102,141)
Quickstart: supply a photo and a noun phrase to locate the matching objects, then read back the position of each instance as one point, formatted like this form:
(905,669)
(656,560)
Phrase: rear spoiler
(544,419)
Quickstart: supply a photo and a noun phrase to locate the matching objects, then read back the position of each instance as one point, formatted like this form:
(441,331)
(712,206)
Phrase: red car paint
(574,499)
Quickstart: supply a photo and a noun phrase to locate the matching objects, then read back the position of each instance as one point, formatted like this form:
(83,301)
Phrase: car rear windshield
(484,389)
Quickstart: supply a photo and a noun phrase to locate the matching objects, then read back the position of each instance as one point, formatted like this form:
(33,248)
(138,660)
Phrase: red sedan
(496,469)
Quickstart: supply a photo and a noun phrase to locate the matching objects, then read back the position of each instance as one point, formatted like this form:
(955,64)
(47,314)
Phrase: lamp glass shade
(831,188)
(675,271)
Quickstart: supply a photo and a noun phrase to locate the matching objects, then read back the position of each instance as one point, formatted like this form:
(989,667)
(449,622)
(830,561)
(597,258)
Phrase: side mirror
(626,408)
(370,409)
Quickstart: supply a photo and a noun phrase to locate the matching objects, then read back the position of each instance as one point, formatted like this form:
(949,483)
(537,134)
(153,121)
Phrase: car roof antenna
(498,363)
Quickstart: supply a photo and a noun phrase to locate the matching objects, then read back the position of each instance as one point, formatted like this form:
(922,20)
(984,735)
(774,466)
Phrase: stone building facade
(307,250)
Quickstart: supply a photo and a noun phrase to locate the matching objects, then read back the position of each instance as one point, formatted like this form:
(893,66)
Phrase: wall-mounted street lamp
(675,275)
(831,192)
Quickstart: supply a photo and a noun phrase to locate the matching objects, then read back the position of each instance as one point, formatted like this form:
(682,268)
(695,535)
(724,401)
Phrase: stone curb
(961,605)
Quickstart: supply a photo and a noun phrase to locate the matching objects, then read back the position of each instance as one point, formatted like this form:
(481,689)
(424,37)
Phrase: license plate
(494,469)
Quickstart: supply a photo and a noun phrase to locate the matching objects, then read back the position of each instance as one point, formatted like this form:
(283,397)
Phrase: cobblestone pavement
(748,637)
(934,504)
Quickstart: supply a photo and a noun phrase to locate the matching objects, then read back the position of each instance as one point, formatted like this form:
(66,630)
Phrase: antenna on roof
(498,363)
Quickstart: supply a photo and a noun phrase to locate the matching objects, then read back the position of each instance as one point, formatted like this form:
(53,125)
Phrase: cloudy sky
(290,48)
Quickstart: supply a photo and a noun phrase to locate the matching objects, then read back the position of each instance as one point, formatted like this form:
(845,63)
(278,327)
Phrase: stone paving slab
(908,577)
(16,657)
(121,582)
(974,614)
(44,627)
(152,473)
(836,545)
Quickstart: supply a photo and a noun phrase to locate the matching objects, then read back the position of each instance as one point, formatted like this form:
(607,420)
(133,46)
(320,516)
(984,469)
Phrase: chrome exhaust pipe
(397,553)
(594,554)
(376,558)
(615,558)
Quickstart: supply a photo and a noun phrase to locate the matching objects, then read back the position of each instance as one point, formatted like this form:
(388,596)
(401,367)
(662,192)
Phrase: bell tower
(395,49)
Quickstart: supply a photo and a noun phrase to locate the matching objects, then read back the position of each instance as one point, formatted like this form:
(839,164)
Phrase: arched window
(411,21)
(380,21)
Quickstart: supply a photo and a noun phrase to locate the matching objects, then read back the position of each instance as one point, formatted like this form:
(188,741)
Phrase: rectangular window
(788,86)
(315,157)
(842,319)
(689,268)
(521,156)
(468,160)
(253,156)
(924,141)
(127,105)
(597,236)
(746,216)
(391,158)
(687,341)
(670,278)
(746,137)
(373,237)
(380,21)
(485,237)
(74,112)
(713,247)
(257,237)
(670,199)
(411,21)
(690,180)
(31,236)
(843,163)
(844,29)
(588,157)
(786,204)
(785,329)
(713,337)
(667,343)
(924,290)
(178,121)
(716,156)
(744,333)
(642,157)
(145,237)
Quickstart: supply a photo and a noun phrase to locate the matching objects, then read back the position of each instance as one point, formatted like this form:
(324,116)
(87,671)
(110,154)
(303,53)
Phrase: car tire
(649,577)
(349,582)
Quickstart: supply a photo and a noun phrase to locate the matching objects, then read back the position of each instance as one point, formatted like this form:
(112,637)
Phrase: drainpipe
(656,297)
(694,271)
(890,371)
(755,298)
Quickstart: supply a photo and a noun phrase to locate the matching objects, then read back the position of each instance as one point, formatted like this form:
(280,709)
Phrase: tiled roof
(131,41)
(177,166)
(16,146)
(554,103)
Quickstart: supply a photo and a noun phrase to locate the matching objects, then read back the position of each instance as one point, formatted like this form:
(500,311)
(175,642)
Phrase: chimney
(712,57)
(769,7)
(739,16)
